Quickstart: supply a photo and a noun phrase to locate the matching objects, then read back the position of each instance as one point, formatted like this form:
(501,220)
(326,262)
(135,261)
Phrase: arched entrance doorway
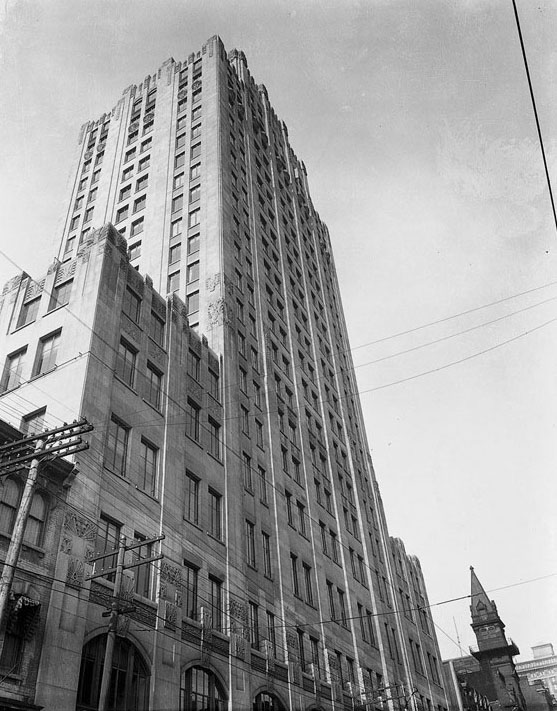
(129,681)
(200,689)
(267,702)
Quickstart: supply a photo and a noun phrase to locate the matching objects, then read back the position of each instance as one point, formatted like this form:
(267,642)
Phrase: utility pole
(48,445)
(115,609)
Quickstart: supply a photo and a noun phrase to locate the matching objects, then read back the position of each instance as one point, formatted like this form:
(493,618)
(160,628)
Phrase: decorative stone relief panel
(80,526)
(75,573)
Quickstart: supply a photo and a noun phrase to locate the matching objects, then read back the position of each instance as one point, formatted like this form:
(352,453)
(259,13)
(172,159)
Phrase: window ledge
(217,459)
(217,540)
(156,409)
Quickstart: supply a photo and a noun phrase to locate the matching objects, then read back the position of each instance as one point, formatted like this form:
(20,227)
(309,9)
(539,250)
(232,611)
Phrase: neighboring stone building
(541,670)
(24,635)
(226,417)
(490,671)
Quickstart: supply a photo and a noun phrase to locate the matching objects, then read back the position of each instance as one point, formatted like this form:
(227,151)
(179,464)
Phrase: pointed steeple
(481,607)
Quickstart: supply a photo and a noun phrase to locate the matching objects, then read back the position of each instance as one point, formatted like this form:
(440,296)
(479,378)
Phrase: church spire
(481,607)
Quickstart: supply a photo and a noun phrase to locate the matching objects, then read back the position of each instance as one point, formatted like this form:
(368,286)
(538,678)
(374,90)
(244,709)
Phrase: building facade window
(47,353)
(215,514)
(126,362)
(266,544)
(149,456)
(108,539)
(117,446)
(250,543)
(214,438)
(28,312)
(191,575)
(13,368)
(60,295)
(192,419)
(132,305)
(191,496)
(153,388)
(215,603)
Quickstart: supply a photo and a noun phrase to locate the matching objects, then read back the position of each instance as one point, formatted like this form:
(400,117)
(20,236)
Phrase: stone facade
(204,339)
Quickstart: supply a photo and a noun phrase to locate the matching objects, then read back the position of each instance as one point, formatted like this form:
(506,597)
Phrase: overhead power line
(535,112)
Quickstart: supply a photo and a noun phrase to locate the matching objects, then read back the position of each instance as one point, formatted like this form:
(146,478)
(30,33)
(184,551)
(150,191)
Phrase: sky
(415,124)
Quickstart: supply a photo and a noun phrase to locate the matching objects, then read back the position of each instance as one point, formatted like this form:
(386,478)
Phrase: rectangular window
(215,602)
(173,282)
(191,496)
(142,584)
(28,312)
(194,365)
(33,423)
(140,203)
(145,145)
(195,194)
(266,542)
(195,151)
(214,438)
(154,386)
(60,295)
(191,574)
(214,386)
(47,353)
(122,213)
(137,226)
(215,514)
(192,419)
(181,141)
(245,419)
(195,171)
(156,329)
(302,519)
(192,303)
(132,305)
(134,251)
(126,362)
(176,228)
(143,163)
(178,181)
(192,273)
(141,184)
(246,462)
(196,131)
(250,543)
(193,244)
(177,203)
(124,195)
(342,606)
(194,218)
(294,571)
(331,597)
(179,160)
(308,584)
(271,633)
(13,367)
(148,468)
(253,624)
(108,539)
(259,434)
(117,446)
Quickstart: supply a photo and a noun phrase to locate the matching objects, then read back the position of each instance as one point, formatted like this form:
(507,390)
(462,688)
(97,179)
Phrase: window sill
(217,459)
(147,494)
(128,386)
(154,407)
(24,545)
(195,441)
(217,540)
(56,308)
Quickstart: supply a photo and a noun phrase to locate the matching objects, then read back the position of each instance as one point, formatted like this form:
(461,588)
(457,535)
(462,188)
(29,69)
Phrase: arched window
(9,501)
(267,702)
(129,681)
(35,521)
(201,690)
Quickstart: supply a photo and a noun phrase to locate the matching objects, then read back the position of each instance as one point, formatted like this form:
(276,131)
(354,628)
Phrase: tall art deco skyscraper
(209,350)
